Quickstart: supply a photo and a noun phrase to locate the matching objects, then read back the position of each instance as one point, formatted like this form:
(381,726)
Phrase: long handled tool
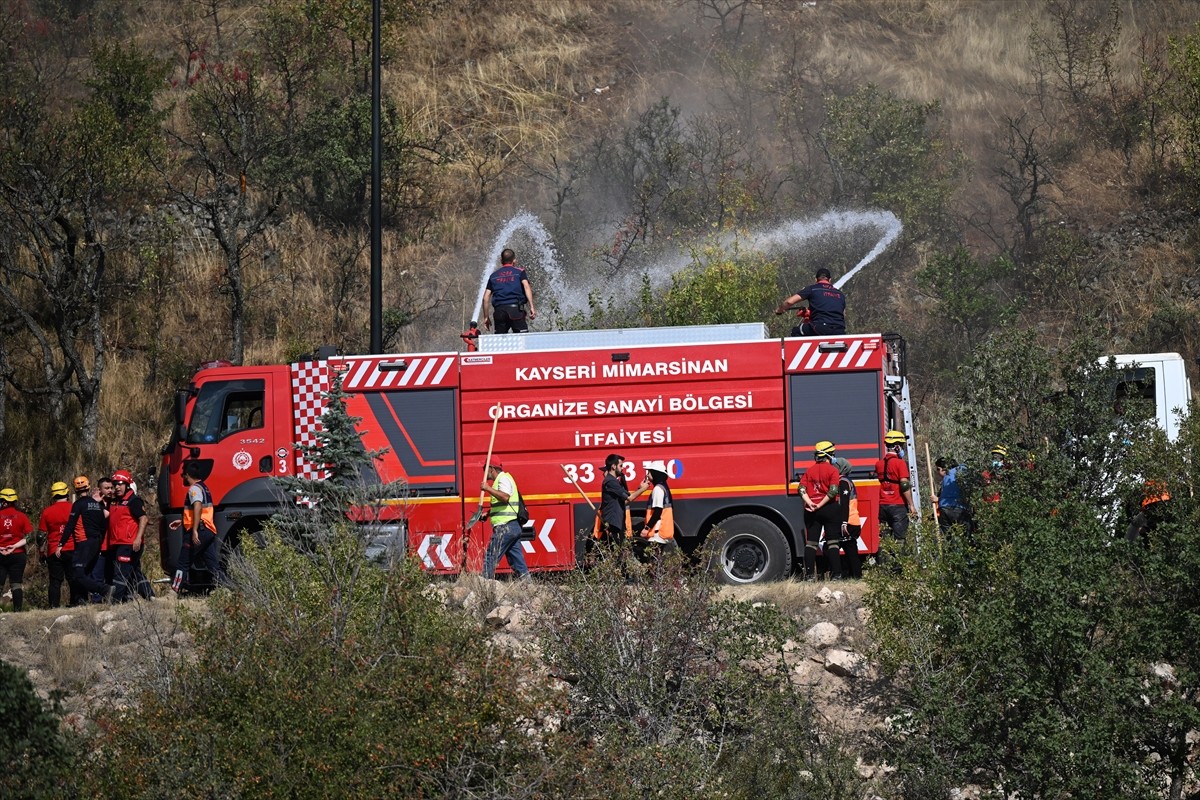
(478,515)
(577,486)
(933,495)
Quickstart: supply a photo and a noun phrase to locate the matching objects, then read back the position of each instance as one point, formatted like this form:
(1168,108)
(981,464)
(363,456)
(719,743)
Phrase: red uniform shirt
(123,516)
(14,526)
(818,479)
(891,469)
(52,522)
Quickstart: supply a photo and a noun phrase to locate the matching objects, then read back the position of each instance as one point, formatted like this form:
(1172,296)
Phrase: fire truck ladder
(896,387)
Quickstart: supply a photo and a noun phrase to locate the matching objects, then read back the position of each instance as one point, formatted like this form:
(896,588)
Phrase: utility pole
(376,187)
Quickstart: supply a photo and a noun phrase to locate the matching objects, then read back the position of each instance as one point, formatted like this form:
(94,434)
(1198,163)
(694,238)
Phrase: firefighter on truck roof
(506,296)
(826,308)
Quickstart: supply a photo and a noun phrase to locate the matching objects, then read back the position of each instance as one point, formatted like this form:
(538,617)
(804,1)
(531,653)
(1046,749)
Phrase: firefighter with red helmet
(819,488)
(126,533)
(15,529)
(51,524)
(895,490)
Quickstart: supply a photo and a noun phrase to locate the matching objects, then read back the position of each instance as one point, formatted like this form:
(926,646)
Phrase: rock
(105,616)
(808,673)
(73,640)
(823,634)
(1165,674)
(863,615)
(499,616)
(845,664)
(114,626)
(824,597)
(517,622)
(470,601)
(63,619)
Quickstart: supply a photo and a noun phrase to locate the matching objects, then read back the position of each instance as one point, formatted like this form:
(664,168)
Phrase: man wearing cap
(506,531)
(85,528)
(895,490)
(826,307)
(51,525)
(822,515)
(126,532)
(15,529)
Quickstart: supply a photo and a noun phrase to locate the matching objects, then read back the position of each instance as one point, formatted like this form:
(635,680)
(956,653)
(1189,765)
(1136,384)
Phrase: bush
(38,756)
(675,693)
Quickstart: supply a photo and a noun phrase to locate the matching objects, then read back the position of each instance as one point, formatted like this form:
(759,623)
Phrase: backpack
(522,511)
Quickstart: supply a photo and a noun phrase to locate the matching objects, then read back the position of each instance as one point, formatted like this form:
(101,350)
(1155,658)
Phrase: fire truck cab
(734,414)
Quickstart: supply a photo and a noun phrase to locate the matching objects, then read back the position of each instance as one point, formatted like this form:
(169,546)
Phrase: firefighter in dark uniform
(87,525)
(826,308)
(507,295)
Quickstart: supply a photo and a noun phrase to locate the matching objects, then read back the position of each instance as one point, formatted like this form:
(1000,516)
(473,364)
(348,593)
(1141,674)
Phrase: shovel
(478,515)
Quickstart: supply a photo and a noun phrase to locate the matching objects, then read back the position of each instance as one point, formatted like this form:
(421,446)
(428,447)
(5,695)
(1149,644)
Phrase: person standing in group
(87,526)
(851,522)
(200,542)
(51,525)
(951,503)
(126,532)
(991,475)
(614,501)
(506,531)
(103,564)
(895,490)
(658,526)
(15,529)
(826,307)
(819,489)
(507,297)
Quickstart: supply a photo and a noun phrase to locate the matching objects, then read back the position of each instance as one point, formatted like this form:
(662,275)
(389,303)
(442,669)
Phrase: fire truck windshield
(226,407)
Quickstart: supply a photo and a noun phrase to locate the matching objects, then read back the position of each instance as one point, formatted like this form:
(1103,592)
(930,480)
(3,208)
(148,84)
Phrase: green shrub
(38,756)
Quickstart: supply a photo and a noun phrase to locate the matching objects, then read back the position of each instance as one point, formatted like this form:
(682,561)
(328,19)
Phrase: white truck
(1160,378)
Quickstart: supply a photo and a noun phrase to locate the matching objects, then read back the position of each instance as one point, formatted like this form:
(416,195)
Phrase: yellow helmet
(1000,450)
(825,449)
(895,437)
(8,494)
(82,484)
(59,489)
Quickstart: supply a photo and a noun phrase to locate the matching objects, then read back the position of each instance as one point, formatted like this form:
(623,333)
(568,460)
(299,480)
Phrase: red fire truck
(733,413)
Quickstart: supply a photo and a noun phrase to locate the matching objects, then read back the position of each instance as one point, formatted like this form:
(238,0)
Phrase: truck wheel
(749,549)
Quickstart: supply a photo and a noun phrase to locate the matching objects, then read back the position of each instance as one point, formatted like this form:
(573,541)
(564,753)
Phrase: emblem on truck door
(242,460)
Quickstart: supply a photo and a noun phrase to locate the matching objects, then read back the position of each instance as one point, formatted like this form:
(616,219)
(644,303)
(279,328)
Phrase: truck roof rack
(621,337)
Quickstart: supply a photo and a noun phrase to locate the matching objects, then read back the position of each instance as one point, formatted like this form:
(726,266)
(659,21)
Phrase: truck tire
(749,549)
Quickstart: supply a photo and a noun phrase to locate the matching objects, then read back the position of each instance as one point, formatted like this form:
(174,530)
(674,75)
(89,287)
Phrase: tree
(887,152)
(1025,652)
(72,176)
(969,293)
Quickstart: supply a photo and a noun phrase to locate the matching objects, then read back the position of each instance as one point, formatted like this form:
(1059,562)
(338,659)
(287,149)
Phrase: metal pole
(376,187)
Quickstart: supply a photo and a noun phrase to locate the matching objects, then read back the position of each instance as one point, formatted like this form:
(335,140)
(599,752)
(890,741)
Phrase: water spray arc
(572,292)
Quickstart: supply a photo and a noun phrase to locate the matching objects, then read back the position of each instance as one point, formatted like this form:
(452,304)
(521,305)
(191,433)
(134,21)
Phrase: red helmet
(122,476)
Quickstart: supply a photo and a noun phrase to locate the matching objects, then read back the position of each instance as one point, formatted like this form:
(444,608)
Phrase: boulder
(823,634)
